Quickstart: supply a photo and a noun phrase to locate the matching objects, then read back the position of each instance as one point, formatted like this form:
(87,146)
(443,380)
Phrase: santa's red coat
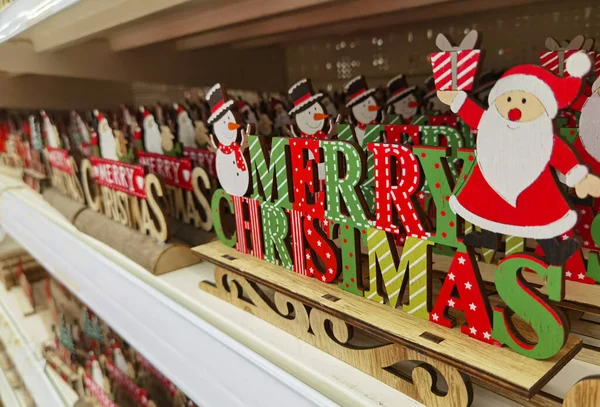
(541,210)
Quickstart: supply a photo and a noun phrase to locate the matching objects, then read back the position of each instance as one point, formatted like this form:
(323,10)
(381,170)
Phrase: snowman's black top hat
(303,95)
(398,88)
(430,86)
(357,90)
(219,102)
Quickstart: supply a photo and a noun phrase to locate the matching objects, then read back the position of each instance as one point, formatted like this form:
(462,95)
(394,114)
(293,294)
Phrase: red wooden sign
(59,159)
(120,176)
(174,171)
(202,157)
(97,392)
(137,393)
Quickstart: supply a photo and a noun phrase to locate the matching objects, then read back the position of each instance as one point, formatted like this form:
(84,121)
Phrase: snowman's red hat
(218,101)
(303,95)
(357,90)
(554,92)
(398,88)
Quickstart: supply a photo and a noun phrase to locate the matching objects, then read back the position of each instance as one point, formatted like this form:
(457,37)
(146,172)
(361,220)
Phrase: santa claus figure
(587,144)
(282,119)
(186,132)
(308,112)
(512,190)
(97,375)
(231,141)
(50,131)
(402,99)
(152,138)
(108,146)
(363,106)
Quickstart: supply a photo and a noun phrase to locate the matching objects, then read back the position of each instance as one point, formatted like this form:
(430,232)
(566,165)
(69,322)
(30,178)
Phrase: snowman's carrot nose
(233,126)
(373,108)
(320,116)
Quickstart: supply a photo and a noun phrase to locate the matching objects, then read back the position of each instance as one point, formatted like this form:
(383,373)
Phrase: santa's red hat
(554,92)
(178,108)
(98,115)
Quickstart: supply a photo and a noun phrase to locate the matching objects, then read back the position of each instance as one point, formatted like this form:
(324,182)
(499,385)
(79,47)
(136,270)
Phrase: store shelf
(22,337)
(215,352)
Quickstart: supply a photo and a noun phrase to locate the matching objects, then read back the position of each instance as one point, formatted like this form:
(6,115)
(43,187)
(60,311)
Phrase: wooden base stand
(158,258)
(402,351)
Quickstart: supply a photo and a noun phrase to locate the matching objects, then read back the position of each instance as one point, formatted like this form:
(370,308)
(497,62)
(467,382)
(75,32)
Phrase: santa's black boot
(485,239)
(558,253)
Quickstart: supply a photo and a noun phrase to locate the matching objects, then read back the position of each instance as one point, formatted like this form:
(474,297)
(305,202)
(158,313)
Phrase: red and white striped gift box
(467,62)
(597,64)
(551,60)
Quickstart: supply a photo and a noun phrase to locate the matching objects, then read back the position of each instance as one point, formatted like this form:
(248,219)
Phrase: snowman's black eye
(523,100)
(509,99)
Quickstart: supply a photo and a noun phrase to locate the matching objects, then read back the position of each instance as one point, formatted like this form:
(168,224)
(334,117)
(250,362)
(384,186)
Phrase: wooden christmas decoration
(231,165)
(270,172)
(106,138)
(402,100)
(310,118)
(556,57)
(50,132)
(522,97)
(363,106)
(455,67)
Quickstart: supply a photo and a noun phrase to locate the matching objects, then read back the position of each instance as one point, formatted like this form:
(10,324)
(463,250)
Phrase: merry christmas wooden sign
(318,203)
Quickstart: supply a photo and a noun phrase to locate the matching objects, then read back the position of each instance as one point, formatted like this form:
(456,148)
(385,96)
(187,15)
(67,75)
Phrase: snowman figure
(232,168)
(108,146)
(152,138)
(187,132)
(402,99)
(308,112)
(430,101)
(363,106)
(50,131)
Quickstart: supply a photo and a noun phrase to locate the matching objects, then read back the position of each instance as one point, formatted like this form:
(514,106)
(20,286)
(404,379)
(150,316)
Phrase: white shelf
(217,354)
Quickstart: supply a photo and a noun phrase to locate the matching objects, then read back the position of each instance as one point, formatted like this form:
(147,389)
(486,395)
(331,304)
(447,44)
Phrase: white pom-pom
(579,64)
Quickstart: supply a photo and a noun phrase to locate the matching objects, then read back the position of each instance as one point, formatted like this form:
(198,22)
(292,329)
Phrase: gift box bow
(454,68)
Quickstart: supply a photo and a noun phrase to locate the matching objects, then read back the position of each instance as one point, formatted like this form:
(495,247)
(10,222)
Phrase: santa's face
(589,126)
(504,151)
(519,106)
(366,111)
(150,123)
(311,120)
(104,129)
(183,119)
(226,128)
(407,106)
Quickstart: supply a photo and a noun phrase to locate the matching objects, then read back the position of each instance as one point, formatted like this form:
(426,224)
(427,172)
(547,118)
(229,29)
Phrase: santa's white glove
(590,185)
(447,96)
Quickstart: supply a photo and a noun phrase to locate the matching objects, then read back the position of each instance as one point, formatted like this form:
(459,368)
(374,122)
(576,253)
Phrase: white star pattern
(328,255)
(309,232)
(473,330)
(312,270)
(451,276)
(473,307)
(586,226)
(461,260)
(487,335)
(468,285)
(421,196)
(325,222)
(330,271)
(586,243)
(568,274)
(309,217)
(564,237)
(307,256)
(435,317)
(451,302)
(581,276)
(323,278)
(319,243)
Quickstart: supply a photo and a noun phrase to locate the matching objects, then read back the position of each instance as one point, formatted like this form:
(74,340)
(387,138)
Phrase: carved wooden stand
(404,352)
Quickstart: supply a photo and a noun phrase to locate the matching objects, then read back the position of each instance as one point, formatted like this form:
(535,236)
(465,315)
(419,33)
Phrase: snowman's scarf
(363,126)
(320,135)
(239,157)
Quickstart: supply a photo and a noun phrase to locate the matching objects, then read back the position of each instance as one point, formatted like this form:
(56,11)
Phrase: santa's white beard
(511,160)
(589,126)
(152,140)
(108,147)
